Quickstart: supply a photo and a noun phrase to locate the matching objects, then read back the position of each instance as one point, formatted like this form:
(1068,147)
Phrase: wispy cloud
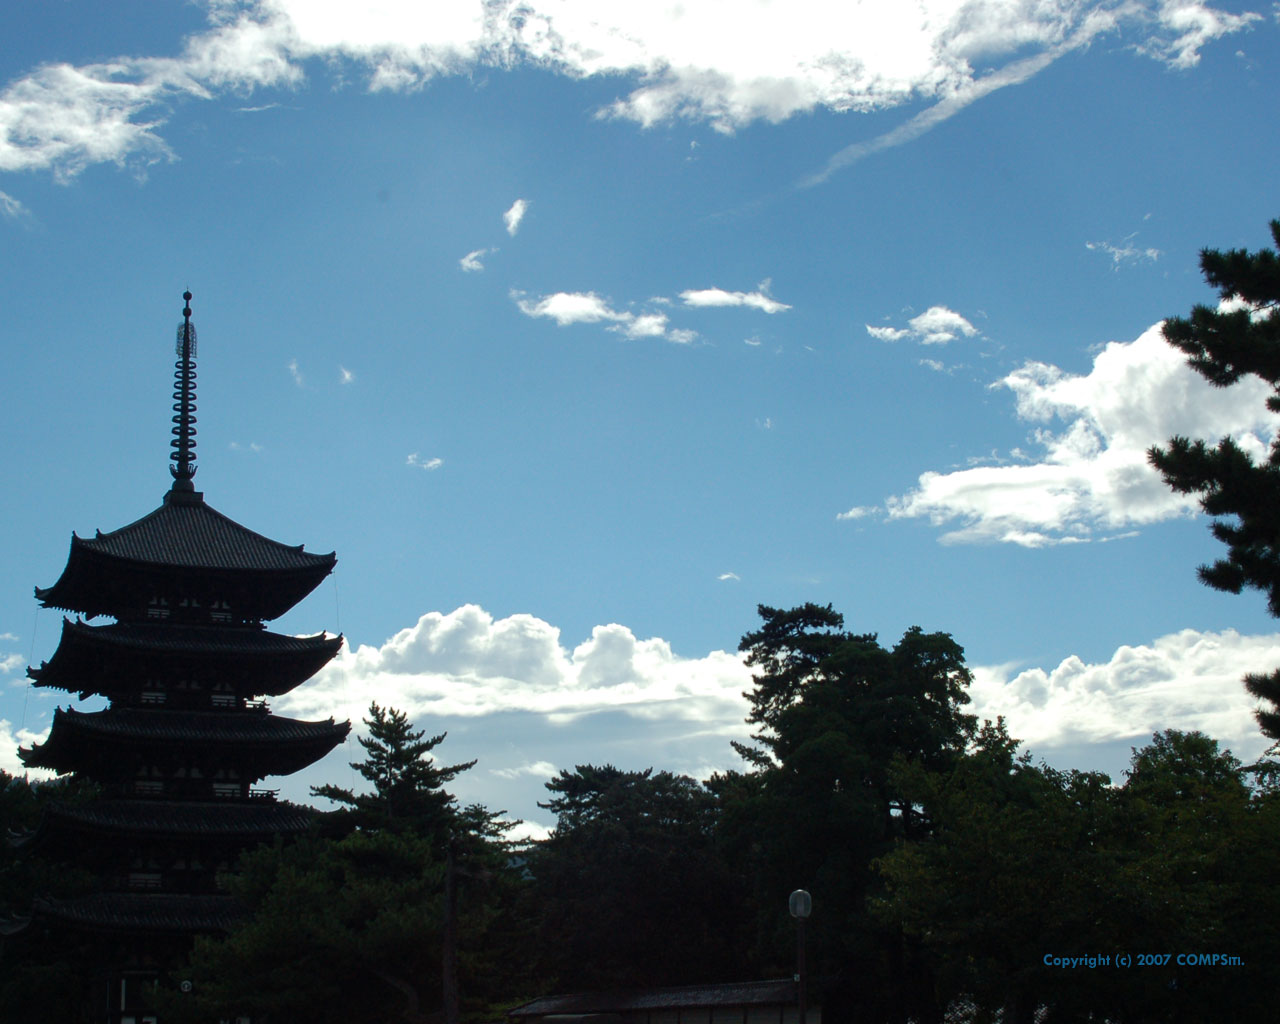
(515,215)
(471,261)
(780,60)
(937,325)
(1091,477)
(252,446)
(729,576)
(345,376)
(857,512)
(296,373)
(11,208)
(538,769)
(1125,253)
(419,462)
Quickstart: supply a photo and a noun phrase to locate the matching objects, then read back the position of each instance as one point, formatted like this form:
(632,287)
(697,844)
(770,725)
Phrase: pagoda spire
(183,444)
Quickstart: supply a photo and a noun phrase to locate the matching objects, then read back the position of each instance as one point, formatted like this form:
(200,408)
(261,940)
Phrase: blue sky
(579,330)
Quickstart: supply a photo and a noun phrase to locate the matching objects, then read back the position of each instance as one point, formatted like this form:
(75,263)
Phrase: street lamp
(800,904)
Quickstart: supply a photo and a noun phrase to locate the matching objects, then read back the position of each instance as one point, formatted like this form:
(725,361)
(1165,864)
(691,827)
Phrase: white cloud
(12,208)
(295,373)
(567,308)
(419,462)
(857,512)
(937,325)
(471,261)
(345,375)
(728,576)
(719,297)
(10,740)
(538,769)
(515,215)
(465,664)
(1125,253)
(1186,680)
(1092,475)
(779,60)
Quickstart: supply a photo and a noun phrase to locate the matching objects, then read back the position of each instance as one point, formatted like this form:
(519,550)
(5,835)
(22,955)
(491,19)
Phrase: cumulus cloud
(758,299)
(10,740)
(471,261)
(567,308)
(857,512)
(466,663)
(937,325)
(1091,476)
(515,215)
(675,62)
(1185,680)
(419,462)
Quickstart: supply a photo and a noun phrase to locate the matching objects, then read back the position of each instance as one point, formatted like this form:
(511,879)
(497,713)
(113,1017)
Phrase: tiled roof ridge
(166,535)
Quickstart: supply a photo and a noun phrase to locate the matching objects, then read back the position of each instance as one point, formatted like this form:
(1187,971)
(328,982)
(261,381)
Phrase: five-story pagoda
(179,751)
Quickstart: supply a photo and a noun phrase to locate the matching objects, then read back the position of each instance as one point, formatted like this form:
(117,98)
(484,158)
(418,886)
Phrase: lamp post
(800,904)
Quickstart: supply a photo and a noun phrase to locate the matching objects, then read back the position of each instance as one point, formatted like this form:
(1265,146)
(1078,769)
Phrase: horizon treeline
(949,874)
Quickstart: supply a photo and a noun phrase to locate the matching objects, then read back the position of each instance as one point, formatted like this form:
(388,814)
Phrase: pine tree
(1223,345)
(408,786)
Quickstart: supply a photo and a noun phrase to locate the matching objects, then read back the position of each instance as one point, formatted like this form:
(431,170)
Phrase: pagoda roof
(280,746)
(185,535)
(209,819)
(271,663)
(144,912)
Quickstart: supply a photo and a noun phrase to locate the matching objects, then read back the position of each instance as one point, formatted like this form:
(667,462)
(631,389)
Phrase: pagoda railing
(263,794)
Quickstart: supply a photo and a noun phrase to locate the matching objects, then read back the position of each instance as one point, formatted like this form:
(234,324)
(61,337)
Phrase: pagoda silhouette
(178,754)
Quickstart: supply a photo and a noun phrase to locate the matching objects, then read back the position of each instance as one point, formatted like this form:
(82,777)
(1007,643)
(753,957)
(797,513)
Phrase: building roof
(102,659)
(739,993)
(144,912)
(212,819)
(83,741)
(187,535)
(192,534)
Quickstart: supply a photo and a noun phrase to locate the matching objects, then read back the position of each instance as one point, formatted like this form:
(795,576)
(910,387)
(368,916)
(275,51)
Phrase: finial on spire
(183,444)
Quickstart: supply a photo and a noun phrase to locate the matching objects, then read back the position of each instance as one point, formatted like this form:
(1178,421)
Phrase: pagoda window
(148,787)
(220,611)
(158,608)
(153,697)
(144,879)
(188,602)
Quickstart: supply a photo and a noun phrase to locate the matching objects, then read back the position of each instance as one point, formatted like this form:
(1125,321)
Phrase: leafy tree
(408,786)
(375,916)
(630,889)
(41,968)
(820,802)
(1225,345)
(336,930)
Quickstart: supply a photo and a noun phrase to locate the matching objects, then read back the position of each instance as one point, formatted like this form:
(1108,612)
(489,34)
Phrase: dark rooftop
(740,993)
(148,912)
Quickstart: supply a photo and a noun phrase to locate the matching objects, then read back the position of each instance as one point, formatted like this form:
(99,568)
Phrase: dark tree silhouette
(1223,345)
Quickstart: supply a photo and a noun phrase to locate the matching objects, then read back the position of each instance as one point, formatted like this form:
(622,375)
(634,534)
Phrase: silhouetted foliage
(630,889)
(408,786)
(1224,345)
